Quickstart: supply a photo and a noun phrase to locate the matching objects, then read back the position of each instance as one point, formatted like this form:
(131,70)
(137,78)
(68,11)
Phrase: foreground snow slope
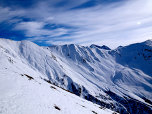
(21,95)
(119,79)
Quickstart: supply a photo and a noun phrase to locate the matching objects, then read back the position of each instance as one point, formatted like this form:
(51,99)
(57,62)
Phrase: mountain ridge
(91,73)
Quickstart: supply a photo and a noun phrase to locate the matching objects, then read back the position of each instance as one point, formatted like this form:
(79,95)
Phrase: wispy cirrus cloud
(10,16)
(59,22)
(35,29)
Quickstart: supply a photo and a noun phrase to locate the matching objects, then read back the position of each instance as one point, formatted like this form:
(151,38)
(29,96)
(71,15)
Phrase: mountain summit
(119,79)
(101,47)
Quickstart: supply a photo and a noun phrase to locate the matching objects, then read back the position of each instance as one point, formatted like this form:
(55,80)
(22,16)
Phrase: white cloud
(36,30)
(112,24)
(29,25)
(7,15)
(117,22)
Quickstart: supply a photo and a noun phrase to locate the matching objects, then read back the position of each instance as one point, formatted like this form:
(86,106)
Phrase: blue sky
(84,22)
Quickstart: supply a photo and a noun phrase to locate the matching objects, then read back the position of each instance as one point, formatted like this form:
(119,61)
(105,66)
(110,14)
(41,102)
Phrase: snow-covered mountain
(22,94)
(120,79)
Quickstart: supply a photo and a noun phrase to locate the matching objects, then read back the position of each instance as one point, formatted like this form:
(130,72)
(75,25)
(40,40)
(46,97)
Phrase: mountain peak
(148,42)
(101,47)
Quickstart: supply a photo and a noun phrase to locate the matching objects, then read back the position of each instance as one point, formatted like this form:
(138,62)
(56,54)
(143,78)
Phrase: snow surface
(125,71)
(19,95)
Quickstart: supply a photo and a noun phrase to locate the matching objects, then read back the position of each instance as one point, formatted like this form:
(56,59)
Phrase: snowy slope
(22,95)
(119,79)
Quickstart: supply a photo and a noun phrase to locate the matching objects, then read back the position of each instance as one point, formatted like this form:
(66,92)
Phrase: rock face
(101,47)
(119,79)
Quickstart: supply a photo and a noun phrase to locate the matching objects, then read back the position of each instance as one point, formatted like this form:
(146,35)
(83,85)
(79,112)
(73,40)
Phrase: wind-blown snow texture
(119,79)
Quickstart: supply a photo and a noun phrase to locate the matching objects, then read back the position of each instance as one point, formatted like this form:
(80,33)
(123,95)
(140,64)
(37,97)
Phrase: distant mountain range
(119,79)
